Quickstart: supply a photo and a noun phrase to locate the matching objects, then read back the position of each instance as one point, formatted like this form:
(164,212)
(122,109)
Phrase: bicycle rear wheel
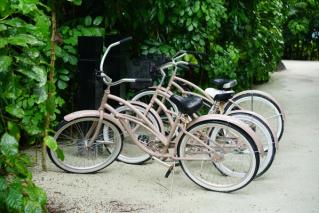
(73,137)
(233,148)
(266,106)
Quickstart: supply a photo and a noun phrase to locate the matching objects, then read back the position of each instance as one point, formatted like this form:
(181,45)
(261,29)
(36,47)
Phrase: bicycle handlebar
(108,81)
(126,39)
(175,62)
(110,47)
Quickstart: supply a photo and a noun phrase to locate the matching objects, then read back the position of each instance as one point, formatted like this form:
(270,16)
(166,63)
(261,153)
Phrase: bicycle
(261,127)
(207,149)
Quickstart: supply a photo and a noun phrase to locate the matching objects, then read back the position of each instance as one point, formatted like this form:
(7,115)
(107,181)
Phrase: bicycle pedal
(169,171)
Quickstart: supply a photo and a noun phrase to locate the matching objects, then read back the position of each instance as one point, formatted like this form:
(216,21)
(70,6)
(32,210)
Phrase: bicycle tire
(100,155)
(253,163)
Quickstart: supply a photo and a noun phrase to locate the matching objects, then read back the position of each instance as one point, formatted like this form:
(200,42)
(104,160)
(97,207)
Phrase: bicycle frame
(142,120)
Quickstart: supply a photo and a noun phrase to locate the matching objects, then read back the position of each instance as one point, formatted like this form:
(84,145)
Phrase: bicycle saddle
(220,95)
(187,105)
(222,83)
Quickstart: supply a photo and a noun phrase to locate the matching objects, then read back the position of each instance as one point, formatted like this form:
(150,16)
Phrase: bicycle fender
(274,138)
(233,121)
(92,113)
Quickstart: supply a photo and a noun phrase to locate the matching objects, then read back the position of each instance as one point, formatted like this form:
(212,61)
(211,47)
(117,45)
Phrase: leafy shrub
(301,30)
(17,191)
(242,40)
(24,102)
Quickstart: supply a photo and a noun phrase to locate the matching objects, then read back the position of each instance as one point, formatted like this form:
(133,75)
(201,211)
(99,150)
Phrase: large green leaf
(12,90)
(98,20)
(2,28)
(21,169)
(33,53)
(3,6)
(76,2)
(41,94)
(15,22)
(24,40)
(5,62)
(36,73)
(64,77)
(3,42)
(51,143)
(41,75)
(60,153)
(15,110)
(15,197)
(8,145)
(88,20)
(14,130)
(28,6)
(62,85)
(32,207)
(43,25)
(3,183)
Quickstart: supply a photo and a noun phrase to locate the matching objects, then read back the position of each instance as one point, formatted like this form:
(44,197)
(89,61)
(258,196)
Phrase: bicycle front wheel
(73,138)
(263,133)
(131,153)
(232,148)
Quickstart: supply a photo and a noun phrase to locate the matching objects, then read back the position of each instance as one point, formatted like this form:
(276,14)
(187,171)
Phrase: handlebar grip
(188,66)
(125,40)
(183,66)
(143,80)
(196,53)
(193,65)
(98,73)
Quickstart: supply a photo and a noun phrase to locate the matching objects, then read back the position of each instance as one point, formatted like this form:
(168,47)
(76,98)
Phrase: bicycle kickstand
(169,171)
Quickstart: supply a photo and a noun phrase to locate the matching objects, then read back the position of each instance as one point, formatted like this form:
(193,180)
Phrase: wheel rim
(80,158)
(205,174)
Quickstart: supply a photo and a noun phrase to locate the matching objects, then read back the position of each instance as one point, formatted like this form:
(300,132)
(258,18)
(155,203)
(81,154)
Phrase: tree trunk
(51,90)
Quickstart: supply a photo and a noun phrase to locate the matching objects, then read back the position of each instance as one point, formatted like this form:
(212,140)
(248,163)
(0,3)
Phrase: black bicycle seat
(222,83)
(187,105)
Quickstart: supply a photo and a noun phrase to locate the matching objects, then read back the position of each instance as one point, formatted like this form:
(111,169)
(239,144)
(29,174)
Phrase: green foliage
(24,47)
(67,57)
(17,191)
(256,32)
(24,35)
(301,30)
(242,40)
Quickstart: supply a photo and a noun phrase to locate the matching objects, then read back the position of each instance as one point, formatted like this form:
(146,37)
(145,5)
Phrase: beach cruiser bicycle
(159,99)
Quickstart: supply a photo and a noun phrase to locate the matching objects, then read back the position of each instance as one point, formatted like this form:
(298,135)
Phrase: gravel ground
(291,185)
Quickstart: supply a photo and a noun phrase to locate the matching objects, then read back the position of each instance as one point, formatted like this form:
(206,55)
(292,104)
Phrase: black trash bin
(90,89)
